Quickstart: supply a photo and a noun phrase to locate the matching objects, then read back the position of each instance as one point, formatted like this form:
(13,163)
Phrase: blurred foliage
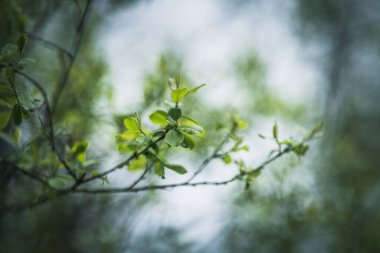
(338,212)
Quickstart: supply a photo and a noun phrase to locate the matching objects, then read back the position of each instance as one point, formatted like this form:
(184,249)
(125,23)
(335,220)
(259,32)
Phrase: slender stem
(75,47)
(50,45)
(51,134)
(213,155)
(125,162)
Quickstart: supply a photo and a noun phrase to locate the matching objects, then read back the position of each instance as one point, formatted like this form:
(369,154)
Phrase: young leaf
(4,118)
(21,42)
(227,159)
(240,124)
(60,182)
(159,118)
(317,128)
(138,164)
(174,138)
(275,130)
(131,124)
(193,90)
(159,169)
(176,167)
(79,150)
(190,129)
(188,142)
(175,113)
(26,61)
(17,135)
(179,94)
(143,139)
(8,49)
(170,120)
(301,149)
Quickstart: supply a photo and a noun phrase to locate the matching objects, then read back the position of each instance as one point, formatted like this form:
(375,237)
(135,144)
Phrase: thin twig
(213,155)
(50,44)
(125,162)
(24,172)
(49,118)
(74,51)
(141,177)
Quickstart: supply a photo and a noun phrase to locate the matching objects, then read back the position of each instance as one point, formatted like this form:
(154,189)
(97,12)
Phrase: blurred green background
(296,61)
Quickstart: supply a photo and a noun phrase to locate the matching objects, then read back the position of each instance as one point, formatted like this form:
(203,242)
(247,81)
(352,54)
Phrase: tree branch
(125,162)
(50,120)
(50,44)
(74,50)
(213,155)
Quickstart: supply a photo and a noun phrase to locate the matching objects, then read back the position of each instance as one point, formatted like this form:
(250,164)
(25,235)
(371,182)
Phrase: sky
(209,35)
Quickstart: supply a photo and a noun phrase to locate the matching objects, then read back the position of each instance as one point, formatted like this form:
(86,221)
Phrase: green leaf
(253,174)
(131,124)
(175,113)
(240,124)
(178,81)
(129,135)
(17,135)
(138,164)
(159,169)
(143,139)
(193,90)
(301,149)
(275,130)
(170,121)
(188,142)
(179,94)
(190,129)
(60,182)
(4,118)
(186,121)
(227,159)
(79,150)
(172,84)
(176,167)
(26,61)
(90,163)
(174,138)
(8,49)
(21,42)
(17,114)
(317,128)
(245,148)
(80,147)
(159,118)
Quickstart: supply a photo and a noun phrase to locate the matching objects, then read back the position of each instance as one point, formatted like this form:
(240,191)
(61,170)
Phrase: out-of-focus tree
(51,85)
(339,211)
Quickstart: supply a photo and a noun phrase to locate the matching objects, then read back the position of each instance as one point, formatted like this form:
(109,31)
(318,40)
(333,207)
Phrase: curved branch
(50,44)
(125,162)
(213,155)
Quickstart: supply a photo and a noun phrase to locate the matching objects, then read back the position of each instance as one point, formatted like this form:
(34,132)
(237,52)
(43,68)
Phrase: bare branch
(213,155)
(50,120)
(75,47)
(50,44)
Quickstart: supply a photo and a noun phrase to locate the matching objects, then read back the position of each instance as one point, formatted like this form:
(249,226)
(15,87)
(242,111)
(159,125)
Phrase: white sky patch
(209,36)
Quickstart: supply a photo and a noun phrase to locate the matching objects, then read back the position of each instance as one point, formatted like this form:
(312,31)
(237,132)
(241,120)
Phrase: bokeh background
(294,61)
